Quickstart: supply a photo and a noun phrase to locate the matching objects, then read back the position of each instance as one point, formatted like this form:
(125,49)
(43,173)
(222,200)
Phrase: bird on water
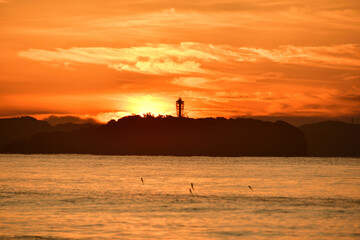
(192,186)
(250,188)
(142,180)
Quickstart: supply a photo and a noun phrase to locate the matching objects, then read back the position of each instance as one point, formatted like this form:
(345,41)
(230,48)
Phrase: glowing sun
(148,104)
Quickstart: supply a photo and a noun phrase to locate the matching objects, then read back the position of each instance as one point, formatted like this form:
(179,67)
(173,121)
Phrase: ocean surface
(103,197)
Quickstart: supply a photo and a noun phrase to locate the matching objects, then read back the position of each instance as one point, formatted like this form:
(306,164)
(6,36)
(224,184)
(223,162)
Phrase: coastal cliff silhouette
(149,135)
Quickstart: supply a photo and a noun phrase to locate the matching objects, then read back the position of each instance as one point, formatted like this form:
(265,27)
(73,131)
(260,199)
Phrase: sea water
(103,197)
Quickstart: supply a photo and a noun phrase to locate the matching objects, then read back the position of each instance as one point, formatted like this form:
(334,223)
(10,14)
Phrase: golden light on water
(102,197)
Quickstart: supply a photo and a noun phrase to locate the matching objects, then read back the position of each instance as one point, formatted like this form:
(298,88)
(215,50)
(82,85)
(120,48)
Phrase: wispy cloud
(196,82)
(277,22)
(187,58)
(245,16)
(337,56)
(150,59)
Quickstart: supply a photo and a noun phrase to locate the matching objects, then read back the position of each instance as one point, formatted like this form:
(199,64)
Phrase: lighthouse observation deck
(180,108)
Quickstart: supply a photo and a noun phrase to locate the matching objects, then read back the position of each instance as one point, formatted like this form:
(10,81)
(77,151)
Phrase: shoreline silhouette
(149,135)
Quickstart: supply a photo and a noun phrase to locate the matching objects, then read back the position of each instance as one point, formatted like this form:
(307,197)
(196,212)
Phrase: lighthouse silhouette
(180,108)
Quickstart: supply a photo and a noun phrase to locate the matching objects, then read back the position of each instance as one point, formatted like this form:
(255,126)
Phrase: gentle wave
(66,197)
(33,238)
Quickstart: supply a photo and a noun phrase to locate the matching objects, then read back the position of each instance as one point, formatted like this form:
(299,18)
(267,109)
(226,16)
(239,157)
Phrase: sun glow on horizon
(141,105)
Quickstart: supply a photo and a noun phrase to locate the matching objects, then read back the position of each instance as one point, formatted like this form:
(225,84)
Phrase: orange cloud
(337,56)
(150,59)
(187,57)
(197,82)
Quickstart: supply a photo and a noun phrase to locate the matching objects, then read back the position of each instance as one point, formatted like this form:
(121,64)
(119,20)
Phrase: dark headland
(136,135)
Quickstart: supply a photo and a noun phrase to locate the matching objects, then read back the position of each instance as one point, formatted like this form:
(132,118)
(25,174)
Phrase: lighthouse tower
(180,108)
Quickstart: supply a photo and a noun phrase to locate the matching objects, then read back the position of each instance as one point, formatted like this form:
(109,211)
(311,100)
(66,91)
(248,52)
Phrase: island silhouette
(167,135)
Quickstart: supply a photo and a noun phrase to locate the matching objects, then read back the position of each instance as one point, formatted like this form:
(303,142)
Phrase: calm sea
(103,197)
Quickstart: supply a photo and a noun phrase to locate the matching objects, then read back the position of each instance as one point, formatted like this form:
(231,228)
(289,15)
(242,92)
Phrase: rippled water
(102,197)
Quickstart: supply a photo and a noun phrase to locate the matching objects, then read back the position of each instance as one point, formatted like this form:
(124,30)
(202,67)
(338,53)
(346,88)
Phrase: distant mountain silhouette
(56,120)
(25,127)
(135,135)
(21,128)
(332,138)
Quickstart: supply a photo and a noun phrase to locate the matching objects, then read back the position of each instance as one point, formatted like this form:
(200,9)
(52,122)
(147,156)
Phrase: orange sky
(110,58)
